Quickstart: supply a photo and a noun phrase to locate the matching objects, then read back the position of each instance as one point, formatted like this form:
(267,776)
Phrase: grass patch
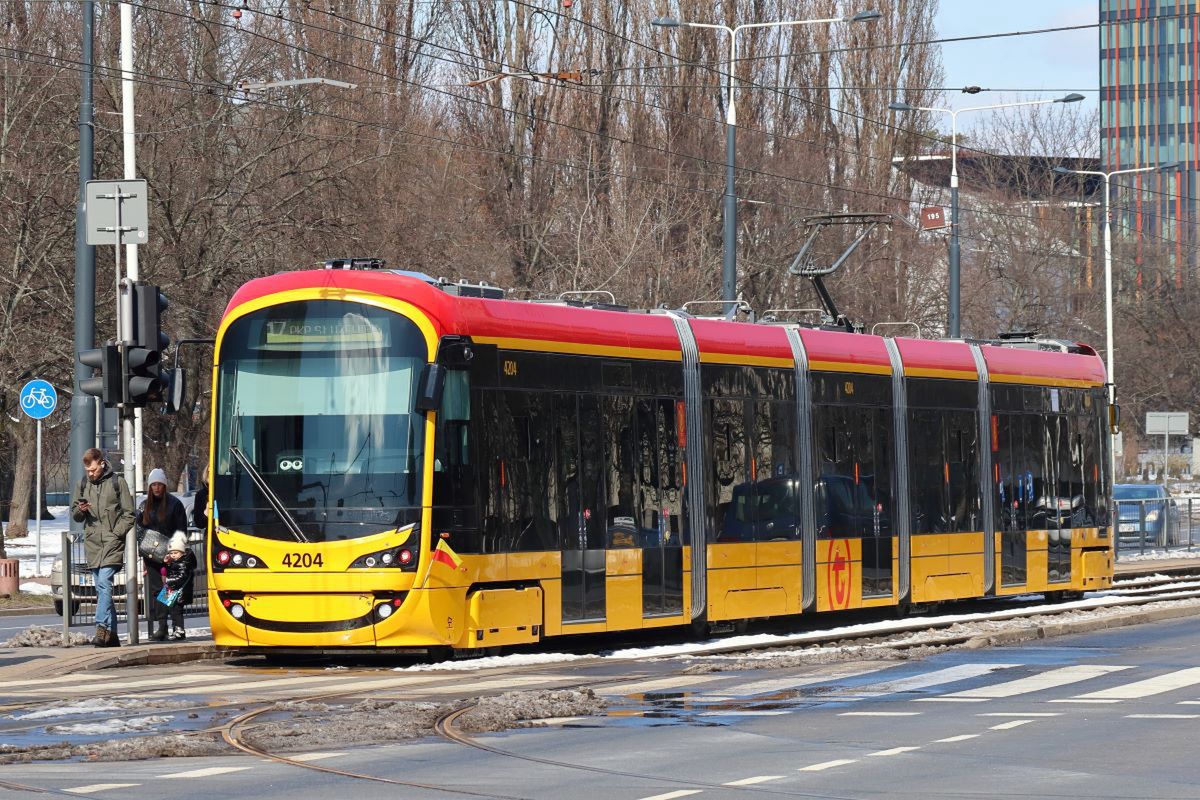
(23,600)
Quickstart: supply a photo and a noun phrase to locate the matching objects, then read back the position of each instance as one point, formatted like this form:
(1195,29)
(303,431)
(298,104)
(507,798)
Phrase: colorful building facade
(1150,116)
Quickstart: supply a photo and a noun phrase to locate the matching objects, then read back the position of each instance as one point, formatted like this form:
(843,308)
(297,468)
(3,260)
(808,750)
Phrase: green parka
(110,517)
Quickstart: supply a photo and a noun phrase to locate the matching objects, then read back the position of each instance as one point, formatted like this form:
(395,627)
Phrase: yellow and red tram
(398,462)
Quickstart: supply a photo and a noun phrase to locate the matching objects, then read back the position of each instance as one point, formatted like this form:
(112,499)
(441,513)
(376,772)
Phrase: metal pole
(131,250)
(66,579)
(37,526)
(954,327)
(1108,325)
(729,263)
(1166,452)
(83,425)
(125,328)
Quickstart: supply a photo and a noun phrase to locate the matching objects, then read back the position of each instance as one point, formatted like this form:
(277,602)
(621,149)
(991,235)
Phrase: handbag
(168,596)
(153,545)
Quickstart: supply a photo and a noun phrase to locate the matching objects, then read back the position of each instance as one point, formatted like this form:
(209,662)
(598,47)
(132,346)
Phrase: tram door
(581,518)
(1017,459)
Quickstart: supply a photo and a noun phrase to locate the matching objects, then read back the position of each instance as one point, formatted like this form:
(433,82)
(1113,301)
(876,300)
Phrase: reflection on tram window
(318,400)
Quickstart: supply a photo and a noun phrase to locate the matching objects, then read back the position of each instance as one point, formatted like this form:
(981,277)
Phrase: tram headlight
(237,610)
(392,558)
(384,610)
(228,558)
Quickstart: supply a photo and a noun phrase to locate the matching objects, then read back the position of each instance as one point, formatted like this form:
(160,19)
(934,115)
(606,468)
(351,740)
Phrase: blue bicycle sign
(38,399)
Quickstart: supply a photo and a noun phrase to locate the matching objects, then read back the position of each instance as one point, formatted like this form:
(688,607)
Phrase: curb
(26,612)
(138,656)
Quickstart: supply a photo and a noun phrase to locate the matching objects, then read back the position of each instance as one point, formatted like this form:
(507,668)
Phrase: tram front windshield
(317,438)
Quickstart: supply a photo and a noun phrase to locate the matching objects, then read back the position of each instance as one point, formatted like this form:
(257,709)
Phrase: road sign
(38,399)
(1164,423)
(933,218)
(108,202)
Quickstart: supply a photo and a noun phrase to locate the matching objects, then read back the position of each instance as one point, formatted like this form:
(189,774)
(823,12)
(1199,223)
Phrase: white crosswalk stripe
(939,677)
(1180,679)
(1033,683)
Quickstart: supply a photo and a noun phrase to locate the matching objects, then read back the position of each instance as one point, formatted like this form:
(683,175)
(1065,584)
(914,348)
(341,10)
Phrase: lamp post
(953,327)
(729,263)
(1108,282)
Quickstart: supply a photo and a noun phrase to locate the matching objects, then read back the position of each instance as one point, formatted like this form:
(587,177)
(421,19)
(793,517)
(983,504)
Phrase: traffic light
(144,382)
(148,305)
(108,384)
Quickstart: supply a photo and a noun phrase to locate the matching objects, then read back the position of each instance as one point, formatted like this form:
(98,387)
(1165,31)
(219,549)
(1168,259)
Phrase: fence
(1157,525)
(83,589)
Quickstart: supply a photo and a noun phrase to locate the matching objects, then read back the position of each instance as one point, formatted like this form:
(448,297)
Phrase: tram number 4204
(303,560)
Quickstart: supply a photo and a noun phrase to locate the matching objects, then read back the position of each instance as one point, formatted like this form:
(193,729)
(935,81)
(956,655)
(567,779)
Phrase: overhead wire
(549,121)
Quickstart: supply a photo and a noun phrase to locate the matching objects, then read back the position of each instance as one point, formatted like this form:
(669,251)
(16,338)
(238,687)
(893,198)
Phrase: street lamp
(1108,282)
(953,326)
(729,264)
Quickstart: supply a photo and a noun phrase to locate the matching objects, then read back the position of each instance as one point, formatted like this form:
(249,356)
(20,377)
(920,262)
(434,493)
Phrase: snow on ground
(35,588)
(1157,555)
(25,548)
(111,726)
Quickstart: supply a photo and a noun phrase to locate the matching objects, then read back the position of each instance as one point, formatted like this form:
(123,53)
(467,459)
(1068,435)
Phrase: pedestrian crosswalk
(861,689)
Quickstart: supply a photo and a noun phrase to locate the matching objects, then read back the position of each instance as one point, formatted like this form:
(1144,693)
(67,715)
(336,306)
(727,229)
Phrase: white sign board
(1166,423)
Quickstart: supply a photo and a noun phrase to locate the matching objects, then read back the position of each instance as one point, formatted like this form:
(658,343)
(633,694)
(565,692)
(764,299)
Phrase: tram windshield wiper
(272,498)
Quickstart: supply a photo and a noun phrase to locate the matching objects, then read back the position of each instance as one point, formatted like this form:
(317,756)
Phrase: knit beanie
(178,542)
(157,476)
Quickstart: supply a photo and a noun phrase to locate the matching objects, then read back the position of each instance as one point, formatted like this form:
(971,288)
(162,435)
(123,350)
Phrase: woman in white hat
(163,512)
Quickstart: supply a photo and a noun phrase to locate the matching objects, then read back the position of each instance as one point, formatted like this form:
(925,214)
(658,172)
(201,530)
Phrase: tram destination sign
(347,329)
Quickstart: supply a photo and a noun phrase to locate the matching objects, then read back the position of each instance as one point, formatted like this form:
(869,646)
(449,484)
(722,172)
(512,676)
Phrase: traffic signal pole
(83,425)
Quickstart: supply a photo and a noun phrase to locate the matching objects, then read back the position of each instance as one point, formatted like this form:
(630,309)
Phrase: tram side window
(773,471)
(619,444)
(453,472)
(728,509)
(489,432)
(927,468)
(1033,471)
(1004,474)
(1085,429)
(962,468)
(646,481)
(670,473)
(528,475)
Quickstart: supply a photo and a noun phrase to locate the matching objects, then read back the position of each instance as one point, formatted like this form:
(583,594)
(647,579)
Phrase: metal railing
(1156,525)
(82,609)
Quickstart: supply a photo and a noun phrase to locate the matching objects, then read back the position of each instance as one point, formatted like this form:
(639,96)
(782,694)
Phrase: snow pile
(511,708)
(123,749)
(35,588)
(314,725)
(112,726)
(100,705)
(41,636)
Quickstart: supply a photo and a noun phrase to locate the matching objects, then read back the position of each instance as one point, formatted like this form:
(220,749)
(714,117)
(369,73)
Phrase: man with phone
(105,507)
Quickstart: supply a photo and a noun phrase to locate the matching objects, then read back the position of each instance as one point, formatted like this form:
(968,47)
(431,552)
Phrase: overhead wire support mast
(804,266)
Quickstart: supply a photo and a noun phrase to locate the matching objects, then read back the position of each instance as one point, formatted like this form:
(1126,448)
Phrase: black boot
(159,633)
(101,637)
(112,640)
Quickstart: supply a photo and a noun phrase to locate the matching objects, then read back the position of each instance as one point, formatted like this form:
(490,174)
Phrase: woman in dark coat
(163,512)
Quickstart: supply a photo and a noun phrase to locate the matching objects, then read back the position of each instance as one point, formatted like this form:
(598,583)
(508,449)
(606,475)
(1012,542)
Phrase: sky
(1026,67)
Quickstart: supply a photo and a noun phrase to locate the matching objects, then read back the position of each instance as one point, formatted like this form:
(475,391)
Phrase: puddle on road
(99,720)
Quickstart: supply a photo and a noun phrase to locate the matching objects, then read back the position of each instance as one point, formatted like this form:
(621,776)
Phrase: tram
(402,462)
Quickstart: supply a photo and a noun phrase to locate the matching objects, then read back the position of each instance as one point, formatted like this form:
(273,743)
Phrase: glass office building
(1150,116)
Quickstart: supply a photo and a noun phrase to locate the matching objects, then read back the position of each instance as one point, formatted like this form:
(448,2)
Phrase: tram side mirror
(176,389)
(1114,418)
(429,393)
